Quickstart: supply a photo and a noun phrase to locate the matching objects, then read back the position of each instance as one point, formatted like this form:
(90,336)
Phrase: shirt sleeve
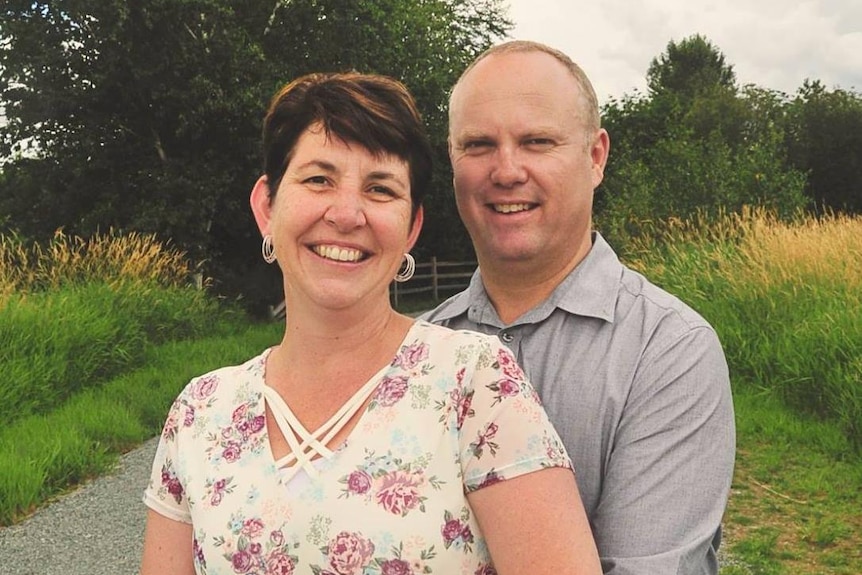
(503,429)
(165,493)
(668,478)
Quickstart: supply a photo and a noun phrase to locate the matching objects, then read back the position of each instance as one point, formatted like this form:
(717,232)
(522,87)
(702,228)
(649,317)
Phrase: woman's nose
(346,212)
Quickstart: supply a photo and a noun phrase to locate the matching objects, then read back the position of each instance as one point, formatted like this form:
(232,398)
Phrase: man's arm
(668,478)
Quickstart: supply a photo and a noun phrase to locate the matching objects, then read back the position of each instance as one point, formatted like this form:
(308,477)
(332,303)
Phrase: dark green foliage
(146,115)
(824,139)
(695,144)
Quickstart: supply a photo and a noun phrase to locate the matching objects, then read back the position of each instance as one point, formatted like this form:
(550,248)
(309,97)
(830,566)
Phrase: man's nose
(508,169)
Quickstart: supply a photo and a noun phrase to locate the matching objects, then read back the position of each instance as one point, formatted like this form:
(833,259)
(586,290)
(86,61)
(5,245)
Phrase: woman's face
(340,221)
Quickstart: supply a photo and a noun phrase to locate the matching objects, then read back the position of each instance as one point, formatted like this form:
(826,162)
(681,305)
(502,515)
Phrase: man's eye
(315,180)
(540,142)
(476,146)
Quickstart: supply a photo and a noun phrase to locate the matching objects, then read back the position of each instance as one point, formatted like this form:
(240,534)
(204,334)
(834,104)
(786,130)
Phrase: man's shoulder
(640,297)
(450,308)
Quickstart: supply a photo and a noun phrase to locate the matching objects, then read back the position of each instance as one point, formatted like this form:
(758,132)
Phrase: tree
(690,68)
(694,143)
(146,115)
(824,139)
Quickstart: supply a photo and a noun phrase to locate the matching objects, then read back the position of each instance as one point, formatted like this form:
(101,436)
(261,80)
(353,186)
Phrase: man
(634,380)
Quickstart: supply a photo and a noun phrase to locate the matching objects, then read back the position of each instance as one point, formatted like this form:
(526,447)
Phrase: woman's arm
(535,523)
(167,547)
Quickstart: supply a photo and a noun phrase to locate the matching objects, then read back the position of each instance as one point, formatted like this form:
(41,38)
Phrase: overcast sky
(772,43)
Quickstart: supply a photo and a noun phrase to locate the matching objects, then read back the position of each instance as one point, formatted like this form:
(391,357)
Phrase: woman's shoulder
(458,346)
(433,332)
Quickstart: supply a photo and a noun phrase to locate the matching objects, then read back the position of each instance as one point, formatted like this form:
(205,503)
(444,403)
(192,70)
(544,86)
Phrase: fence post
(434,277)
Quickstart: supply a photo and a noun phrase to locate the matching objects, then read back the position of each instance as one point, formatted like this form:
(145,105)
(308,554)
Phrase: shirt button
(507,337)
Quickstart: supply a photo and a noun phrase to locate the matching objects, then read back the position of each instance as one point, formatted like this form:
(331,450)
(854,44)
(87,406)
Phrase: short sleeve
(503,429)
(166,493)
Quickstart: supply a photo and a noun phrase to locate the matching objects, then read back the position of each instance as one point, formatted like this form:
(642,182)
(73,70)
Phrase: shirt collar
(589,290)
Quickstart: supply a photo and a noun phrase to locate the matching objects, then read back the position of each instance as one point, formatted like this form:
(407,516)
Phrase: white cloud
(771,43)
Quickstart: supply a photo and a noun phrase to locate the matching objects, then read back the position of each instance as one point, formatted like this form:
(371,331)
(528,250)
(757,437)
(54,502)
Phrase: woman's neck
(325,344)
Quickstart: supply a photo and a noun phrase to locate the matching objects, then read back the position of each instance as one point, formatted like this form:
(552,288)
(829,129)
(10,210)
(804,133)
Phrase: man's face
(525,168)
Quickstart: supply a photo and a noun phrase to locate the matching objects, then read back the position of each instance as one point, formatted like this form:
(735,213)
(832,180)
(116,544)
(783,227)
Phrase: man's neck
(515,288)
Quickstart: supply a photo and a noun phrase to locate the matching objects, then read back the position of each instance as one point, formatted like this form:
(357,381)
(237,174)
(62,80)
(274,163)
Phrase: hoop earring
(267,250)
(409,269)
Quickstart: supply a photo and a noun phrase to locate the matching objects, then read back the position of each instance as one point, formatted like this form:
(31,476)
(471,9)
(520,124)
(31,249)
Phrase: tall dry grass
(112,258)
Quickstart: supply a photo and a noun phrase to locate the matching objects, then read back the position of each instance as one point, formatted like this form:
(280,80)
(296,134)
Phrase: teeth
(338,254)
(511,208)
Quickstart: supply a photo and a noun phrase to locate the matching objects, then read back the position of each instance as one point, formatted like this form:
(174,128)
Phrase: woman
(366,442)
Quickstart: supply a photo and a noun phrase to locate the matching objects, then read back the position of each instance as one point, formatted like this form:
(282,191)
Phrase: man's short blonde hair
(587,95)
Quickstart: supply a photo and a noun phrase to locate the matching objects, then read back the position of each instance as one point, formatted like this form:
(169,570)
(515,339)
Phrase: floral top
(452,413)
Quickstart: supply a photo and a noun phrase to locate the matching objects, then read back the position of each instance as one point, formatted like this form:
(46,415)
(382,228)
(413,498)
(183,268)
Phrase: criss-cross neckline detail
(312,445)
(305,446)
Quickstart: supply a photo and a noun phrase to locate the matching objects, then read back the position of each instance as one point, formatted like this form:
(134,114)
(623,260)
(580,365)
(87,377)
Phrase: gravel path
(96,530)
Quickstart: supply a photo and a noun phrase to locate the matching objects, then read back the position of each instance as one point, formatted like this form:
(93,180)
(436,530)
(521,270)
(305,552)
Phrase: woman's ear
(261,204)
(415,228)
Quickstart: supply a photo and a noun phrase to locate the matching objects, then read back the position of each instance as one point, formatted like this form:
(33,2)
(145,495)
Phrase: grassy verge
(43,455)
(796,501)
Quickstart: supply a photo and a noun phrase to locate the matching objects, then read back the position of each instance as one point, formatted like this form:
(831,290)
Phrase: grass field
(92,352)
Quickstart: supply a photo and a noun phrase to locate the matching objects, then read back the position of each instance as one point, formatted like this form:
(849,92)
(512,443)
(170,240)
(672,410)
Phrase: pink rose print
(171,424)
(277,538)
(232,452)
(198,553)
(505,387)
(410,356)
(238,415)
(242,561)
(252,527)
(395,567)
(485,570)
(219,488)
(398,492)
(391,390)
(507,363)
(484,440)
(358,482)
(171,483)
(205,387)
(490,479)
(350,553)
(462,405)
(456,532)
(189,419)
(279,563)
(257,423)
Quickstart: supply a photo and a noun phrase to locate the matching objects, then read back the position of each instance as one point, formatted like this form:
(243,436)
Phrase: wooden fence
(434,280)
(437,279)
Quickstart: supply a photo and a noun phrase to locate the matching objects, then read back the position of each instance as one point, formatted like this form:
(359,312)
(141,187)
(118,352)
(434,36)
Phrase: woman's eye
(382,191)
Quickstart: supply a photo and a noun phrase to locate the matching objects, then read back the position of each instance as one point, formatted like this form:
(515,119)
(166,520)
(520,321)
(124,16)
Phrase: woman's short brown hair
(374,111)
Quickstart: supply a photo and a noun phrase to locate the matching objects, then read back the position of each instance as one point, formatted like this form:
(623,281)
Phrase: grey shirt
(637,385)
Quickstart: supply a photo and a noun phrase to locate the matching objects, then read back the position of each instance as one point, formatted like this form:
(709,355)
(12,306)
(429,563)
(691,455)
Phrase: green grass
(796,501)
(43,455)
(54,344)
